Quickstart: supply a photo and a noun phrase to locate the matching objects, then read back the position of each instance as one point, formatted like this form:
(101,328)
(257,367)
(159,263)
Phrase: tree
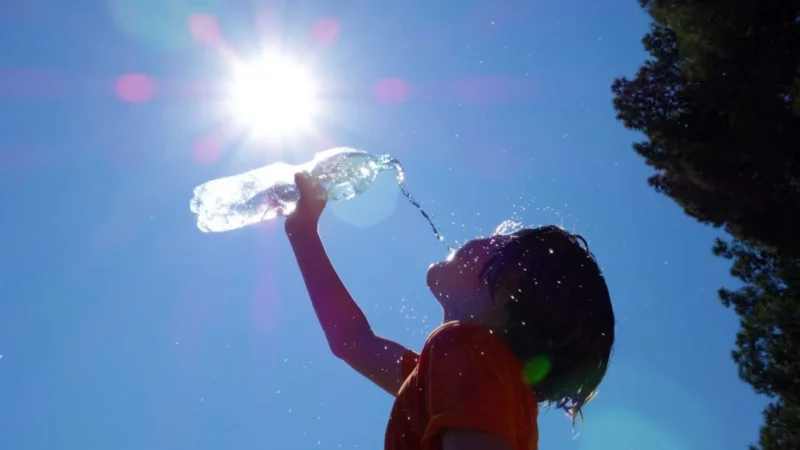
(719,105)
(768,344)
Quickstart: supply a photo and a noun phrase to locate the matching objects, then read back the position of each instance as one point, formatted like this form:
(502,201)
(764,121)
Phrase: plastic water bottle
(268,192)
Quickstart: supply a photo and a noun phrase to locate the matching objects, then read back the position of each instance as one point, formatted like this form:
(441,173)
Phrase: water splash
(507,227)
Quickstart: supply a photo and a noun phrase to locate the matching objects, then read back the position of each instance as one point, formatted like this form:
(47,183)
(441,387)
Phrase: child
(527,320)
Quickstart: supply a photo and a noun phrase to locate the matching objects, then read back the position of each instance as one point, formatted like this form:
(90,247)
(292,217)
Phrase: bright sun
(273,96)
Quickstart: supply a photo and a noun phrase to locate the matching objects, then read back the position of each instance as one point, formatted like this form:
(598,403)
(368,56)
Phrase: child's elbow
(342,348)
(339,351)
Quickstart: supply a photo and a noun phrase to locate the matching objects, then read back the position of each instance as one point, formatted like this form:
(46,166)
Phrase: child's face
(459,287)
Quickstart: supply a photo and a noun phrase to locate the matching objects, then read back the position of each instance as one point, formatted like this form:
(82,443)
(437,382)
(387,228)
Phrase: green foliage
(768,344)
(719,104)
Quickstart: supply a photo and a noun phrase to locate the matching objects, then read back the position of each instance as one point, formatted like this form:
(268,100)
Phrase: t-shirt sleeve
(469,386)
(408,363)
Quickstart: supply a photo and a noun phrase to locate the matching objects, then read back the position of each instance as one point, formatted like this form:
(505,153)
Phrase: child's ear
(501,292)
(502,295)
(509,283)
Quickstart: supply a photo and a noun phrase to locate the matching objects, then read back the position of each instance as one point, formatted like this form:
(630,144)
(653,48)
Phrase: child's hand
(311,204)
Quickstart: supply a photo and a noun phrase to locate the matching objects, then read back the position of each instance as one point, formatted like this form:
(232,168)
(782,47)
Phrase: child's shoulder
(465,339)
(458,331)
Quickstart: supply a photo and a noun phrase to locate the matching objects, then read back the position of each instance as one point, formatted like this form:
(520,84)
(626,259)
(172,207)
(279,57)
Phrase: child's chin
(436,275)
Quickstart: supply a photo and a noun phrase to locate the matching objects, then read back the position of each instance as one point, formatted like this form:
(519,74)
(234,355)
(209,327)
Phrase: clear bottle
(265,193)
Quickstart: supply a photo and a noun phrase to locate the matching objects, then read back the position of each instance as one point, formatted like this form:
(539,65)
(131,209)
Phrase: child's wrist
(295,226)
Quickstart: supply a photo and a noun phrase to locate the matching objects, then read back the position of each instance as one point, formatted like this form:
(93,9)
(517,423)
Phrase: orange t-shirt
(465,378)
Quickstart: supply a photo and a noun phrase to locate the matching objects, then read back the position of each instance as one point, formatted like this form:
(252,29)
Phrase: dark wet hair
(560,320)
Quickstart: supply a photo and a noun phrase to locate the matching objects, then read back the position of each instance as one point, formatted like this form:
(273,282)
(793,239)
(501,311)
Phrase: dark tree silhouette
(719,105)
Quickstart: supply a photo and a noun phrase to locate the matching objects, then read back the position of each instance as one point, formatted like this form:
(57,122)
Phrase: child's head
(541,290)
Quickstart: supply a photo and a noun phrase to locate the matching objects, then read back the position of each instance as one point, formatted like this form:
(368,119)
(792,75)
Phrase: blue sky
(123,327)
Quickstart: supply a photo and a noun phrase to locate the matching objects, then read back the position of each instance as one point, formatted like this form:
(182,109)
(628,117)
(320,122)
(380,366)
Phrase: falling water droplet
(386,162)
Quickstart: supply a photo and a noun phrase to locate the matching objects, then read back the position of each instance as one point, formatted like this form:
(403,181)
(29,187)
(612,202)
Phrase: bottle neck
(386,162)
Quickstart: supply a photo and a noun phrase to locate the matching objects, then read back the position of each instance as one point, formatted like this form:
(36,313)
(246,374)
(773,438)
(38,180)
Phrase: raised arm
(347,330)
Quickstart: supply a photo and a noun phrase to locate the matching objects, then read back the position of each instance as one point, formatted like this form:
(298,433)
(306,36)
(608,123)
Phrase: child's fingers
(305,183)
(301,180)
(309,186)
